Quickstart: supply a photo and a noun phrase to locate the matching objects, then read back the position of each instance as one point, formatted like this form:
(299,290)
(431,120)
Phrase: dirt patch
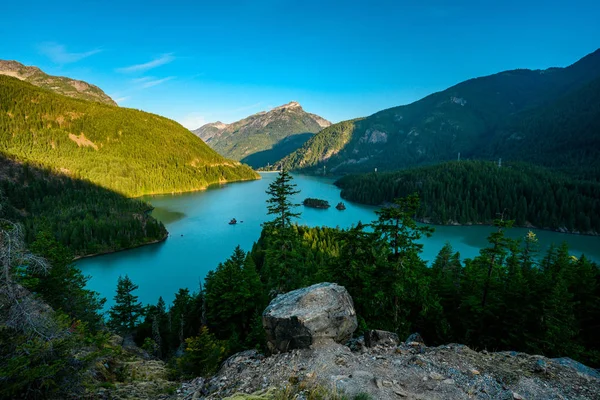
(74,115)
(82,141)
(14,74)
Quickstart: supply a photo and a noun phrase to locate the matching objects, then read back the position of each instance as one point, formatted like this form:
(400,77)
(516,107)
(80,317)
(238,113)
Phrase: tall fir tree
(279,202)
(282,258)
(127,309)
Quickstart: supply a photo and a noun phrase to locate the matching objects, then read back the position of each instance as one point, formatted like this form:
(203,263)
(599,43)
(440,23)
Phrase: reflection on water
(165,215)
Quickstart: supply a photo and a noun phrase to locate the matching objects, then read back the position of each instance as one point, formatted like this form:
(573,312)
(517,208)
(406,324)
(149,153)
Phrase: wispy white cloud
(142,79)
(58,53)
(157,62)
(193,120)
(149,83)
(123,99)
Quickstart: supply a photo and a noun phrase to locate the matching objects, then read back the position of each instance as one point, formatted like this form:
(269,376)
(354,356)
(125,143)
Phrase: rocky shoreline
(527,226)
(127,248)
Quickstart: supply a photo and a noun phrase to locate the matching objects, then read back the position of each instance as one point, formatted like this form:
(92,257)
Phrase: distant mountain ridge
(59,84)
(473,118)
(263,137)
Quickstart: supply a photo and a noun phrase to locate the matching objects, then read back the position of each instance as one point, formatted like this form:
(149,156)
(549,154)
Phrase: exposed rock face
(381,338)
(317,313)
(59,84)
(415,338)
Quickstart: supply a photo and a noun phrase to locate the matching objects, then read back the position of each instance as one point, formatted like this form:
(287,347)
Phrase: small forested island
(340,206)
(316,203)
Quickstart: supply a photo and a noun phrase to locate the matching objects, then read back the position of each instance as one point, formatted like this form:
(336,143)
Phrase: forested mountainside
(474,192)
(59,84)
(564,135)
(265,137)
(125,150)
(473,118)
(83,217)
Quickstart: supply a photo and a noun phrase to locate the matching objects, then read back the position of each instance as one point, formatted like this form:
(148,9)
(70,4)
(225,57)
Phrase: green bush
(203,355)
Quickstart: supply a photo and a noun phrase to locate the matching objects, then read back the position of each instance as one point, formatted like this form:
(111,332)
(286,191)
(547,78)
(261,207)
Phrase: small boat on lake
(340,206)
(233,221)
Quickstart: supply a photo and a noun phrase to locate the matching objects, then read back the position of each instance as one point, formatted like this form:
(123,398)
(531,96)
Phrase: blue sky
(202,61)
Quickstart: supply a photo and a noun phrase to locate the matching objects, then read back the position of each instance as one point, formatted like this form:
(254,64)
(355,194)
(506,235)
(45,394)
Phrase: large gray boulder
(300,318)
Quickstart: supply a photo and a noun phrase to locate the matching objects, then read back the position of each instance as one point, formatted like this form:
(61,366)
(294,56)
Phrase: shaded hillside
(59,84)
(261,133)
(470,192)
(466,119)
(564,134)
(126,150)
(317,151)
(85,218)
(279,150)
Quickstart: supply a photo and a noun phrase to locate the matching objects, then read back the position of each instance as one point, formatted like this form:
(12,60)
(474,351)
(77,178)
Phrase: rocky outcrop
(381,338)
(399,372)
(59,84)
(415,338)
(318,313)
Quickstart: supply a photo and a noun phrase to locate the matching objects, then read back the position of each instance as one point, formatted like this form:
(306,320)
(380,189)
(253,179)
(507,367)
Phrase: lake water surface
(200,236)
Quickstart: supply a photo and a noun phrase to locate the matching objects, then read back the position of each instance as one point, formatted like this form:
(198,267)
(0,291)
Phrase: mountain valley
(263,138)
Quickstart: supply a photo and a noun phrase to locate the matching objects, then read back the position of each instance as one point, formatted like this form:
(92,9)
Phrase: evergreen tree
(63,287)
(184,317)
(396,223)
(203,355)
(279,203)
(446,274)
(403,294)
(282,258)
(127,309)
(495,255)
(233,296)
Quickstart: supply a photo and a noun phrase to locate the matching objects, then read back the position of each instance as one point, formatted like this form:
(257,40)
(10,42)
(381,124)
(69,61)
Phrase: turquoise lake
(200,236)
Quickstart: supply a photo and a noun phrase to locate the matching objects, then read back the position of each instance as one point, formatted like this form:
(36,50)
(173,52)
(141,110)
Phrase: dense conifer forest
(474,192)
(83,217)
(125,150)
